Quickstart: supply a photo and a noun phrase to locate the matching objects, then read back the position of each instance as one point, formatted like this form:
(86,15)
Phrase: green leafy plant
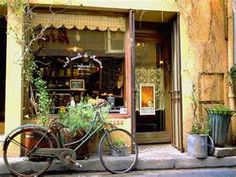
(33,81)
(219,109)
(233,71)
(200,125)
(119,142)
(81,116)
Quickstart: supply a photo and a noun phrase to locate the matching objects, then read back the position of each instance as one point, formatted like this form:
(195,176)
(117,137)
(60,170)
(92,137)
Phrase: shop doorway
(156,60)
(3,71)
(152,51)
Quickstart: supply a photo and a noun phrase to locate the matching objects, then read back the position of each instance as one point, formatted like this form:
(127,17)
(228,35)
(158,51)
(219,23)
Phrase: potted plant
(79,119)
(119,148)
(233,76)
(197,145)
(198,137)
(219,116)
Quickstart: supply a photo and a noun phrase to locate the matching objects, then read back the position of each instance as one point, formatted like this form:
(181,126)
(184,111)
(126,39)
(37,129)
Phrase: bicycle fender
(20,128)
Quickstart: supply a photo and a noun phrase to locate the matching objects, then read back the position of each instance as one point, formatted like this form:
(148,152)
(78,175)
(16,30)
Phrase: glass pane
(149,72)
(146,54)
(66,63)
(117,40)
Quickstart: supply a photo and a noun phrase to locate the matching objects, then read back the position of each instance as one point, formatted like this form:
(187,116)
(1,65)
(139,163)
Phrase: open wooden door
(176,97)
(132,47)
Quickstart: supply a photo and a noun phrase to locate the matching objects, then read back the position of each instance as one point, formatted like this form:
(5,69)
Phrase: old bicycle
(49,146)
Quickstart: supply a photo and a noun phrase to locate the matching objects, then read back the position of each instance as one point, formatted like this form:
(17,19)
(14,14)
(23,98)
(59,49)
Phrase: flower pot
(84,151)
(197,145)
(29,141)
(219,125)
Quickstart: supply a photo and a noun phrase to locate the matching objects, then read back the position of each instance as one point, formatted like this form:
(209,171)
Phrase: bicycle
(49,146)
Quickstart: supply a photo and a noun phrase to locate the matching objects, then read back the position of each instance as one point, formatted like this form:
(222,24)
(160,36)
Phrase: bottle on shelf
(72,102)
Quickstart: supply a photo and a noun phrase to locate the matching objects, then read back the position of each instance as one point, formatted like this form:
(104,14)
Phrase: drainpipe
(231,16)
(231,47)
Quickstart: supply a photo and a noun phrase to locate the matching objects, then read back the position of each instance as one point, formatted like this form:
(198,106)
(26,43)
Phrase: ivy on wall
(37,98)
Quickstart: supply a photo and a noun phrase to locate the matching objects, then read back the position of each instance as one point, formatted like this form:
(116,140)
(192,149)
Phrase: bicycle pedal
(77,164)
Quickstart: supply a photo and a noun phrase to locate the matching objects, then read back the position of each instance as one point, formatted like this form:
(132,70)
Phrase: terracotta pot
(29,141)
(84,151)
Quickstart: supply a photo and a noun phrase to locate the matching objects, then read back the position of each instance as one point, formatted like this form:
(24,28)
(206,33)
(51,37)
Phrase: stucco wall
(164,5)
(204,56)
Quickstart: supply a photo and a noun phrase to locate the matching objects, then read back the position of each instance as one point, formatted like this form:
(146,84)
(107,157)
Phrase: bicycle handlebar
(101,103)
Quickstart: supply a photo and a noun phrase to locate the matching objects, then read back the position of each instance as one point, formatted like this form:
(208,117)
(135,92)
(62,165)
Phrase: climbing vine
(34,85)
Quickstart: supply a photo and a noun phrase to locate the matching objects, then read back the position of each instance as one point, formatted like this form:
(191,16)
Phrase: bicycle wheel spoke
(118,151)
(19,144)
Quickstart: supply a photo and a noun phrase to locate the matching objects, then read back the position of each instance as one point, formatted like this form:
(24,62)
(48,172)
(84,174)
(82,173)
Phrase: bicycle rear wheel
(118,151)
(19,144)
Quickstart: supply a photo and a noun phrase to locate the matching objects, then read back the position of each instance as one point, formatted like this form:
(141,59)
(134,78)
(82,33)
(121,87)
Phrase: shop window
(115,42)
(66,61)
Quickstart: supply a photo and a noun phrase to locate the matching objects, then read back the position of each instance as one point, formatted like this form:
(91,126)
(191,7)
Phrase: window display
(82,67)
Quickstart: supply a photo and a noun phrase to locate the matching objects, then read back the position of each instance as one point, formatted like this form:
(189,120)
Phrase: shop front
(129,58)
(90,56)
(135,55)
(86,57)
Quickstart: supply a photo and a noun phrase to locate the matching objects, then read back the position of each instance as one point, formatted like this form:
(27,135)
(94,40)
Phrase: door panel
(176,102)
(131,47)
(150,71)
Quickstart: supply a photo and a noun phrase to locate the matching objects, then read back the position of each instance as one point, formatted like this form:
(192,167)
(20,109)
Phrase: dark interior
(150,123)
(2,66)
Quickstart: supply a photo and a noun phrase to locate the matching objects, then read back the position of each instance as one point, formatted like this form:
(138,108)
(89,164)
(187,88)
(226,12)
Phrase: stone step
(224,151)
(2,137)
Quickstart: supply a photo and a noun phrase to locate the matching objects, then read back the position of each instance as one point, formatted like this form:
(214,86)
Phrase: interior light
(77,36)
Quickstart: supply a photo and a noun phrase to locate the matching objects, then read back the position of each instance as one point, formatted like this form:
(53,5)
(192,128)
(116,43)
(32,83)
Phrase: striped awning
(91,22)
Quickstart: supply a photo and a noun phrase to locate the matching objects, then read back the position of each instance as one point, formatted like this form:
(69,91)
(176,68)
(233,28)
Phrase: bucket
(197,146)
(219,125)
(233,129)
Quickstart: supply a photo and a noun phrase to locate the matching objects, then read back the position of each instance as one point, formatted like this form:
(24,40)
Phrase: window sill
(124,116)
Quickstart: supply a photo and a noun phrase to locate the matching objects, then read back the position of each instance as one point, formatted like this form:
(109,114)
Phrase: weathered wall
(204,56)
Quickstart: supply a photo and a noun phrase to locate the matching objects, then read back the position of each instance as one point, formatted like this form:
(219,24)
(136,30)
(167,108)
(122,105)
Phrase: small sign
(77,84)
(123,110)
(147,99)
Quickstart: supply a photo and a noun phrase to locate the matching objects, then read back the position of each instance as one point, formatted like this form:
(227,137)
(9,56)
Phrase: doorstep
(224,151)
(2,138)
(151,157)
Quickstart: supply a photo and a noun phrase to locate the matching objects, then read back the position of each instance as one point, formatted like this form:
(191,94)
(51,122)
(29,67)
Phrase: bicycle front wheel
(118,151)
(19,158)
